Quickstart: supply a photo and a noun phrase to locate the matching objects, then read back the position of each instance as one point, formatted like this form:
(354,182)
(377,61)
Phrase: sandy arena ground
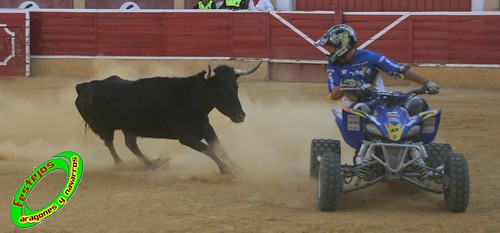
(273,193)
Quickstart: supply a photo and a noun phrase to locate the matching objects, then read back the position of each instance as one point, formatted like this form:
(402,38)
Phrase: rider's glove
(432,87)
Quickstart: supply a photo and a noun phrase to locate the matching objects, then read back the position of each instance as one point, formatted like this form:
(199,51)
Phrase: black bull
(162,107)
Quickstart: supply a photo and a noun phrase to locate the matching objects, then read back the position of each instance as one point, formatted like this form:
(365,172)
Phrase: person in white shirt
(260,5)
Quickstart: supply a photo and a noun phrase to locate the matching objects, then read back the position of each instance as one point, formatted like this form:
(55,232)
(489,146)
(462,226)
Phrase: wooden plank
(326,5)
(68,49)
(475,26)
(289,52)
(307,16)
(371,18)
(428,4)
(317,4)
(446,4)
(197,30)
(482,18)
(251,32)
(130,30)
(466,5)
(60,14)
(386,5)
(248,41)
(474,57)
(343,4)
(430,44)
(301,5)
(389,44)
(350,6)
(292,41)
(468,35)
(116,22)
(68,21)
(412,5)
(395,6)
(431,55)
(207,22)
(254,50)
(121,52)
(430,25)
(214,40)
(154,39)
(68,38)
(425,35)
(58,30)
(403,6)
(455,5)
(476,45)
(200,51)
(420,5)
(438,5)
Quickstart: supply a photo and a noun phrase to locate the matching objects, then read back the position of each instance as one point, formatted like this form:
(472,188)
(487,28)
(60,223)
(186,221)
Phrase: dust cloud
(39,119)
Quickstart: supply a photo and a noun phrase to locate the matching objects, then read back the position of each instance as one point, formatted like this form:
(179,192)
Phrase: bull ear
(245,72)
(210,73)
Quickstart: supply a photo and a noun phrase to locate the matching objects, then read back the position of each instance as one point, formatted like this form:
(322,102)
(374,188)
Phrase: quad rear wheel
(329,182)
(456,183)
(318,148)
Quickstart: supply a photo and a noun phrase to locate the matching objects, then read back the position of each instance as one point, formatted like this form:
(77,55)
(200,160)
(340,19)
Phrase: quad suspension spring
(422,172)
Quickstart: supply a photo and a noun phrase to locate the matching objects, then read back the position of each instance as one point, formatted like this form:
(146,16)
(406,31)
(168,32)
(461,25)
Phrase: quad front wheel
(329,182)
(437,154)
(456,183)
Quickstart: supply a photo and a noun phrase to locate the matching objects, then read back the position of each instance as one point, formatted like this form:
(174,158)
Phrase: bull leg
(108,141)
(196,144)
(131,142)
(214,143)
(111,147)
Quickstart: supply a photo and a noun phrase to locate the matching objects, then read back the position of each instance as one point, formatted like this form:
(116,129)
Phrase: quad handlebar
(389,97)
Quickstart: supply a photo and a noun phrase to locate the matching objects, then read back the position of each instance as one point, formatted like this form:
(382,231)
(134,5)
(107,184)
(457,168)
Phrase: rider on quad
(392,132)
(349,67)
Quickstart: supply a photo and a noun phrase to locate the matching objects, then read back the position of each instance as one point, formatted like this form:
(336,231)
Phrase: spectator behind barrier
(205,5)
(234,4)
(260,5)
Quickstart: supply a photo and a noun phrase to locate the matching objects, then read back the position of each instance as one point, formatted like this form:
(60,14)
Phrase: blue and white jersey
(364,67)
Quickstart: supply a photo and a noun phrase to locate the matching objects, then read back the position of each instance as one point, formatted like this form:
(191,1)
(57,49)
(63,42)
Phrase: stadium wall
(427,41)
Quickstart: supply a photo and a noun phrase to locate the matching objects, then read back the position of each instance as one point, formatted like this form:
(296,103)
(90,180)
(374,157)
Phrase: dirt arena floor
(273,192)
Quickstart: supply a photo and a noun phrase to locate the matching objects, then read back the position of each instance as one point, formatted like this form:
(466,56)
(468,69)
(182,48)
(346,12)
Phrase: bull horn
(210,73)
(245,72)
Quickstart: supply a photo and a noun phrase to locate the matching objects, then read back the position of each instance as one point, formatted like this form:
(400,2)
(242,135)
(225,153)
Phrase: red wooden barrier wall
(116,4)
(418,38)
(13,44)
(383,5)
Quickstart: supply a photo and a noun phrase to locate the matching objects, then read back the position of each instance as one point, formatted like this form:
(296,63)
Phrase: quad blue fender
(430,125)
(351,124)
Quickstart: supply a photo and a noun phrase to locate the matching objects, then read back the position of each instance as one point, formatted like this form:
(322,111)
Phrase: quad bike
(390,145)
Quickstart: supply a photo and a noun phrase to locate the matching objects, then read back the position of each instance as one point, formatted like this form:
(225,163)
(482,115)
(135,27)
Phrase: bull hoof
(229,172)
(152,166)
